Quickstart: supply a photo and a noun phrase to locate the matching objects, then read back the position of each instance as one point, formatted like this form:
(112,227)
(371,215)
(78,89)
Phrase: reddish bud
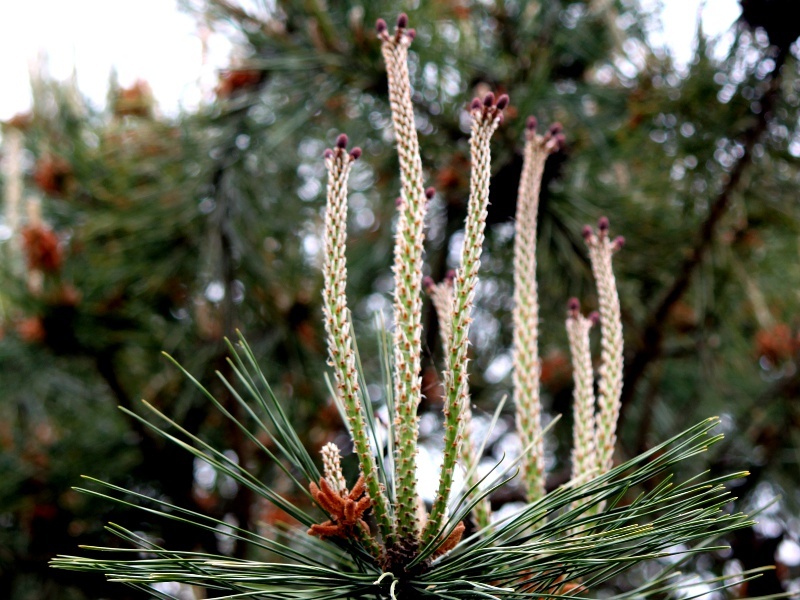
(355,153)
(602,224)
(450,275)
(573,305)
(402,21)
(328,153)
(398,202)
(555,128)
(500,117)
(429,193)
(619,242)
(341,141)
(427,283)
(502,101)
(594,317)
(488,100)
(586,232)
(531,123)
(561,141)
(476,104)
(411,34)
(380,26)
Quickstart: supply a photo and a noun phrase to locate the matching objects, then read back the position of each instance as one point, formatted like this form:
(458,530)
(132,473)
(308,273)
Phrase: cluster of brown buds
(345,508)
(489,109)
(401,33)
(341,149)
(552,141)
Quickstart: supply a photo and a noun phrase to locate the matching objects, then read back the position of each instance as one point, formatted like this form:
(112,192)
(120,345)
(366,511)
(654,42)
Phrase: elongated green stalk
(337,323)
(527,369)
(407,278)
(441,295)
(486,116)
(601,249)
(584,459)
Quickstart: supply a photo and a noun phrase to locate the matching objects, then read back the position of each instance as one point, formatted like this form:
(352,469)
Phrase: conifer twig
(337,322)
(407,276)
(584,460)
(441,295)
(486,117)
(527,369)
(601,249)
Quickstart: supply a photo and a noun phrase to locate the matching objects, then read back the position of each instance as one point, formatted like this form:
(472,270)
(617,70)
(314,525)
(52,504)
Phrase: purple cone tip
(398,202)
(488,100)
(429,193)
(573,305)
(602,224)
(475,104)
(328,153)
(556,128)
(531,123)
(427,282)
(502,101)
(341,141)
(619,242)
(594,318)
(561,140)
(411,33)
(355,153)
(586,232)
(380,25)
(450,275)
(402,21)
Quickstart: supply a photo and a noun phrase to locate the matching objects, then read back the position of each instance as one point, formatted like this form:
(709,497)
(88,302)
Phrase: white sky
(152,40)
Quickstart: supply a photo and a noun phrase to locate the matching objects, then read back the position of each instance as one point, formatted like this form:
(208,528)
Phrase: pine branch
(527,370)
(341,346)
(584,439)
(407,277)
(486,117)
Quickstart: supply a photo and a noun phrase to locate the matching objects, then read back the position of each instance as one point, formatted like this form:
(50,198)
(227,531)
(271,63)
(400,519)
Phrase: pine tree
(698,169)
